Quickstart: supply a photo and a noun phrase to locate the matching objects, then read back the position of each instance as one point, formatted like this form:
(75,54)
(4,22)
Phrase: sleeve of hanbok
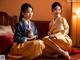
(66,26)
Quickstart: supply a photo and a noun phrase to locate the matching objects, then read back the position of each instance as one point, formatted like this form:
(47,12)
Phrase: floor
(74,57)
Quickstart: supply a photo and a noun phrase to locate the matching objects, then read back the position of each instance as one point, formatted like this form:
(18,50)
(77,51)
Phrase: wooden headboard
(6,19)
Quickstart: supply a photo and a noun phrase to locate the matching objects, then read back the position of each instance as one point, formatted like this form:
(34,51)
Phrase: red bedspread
(5,40)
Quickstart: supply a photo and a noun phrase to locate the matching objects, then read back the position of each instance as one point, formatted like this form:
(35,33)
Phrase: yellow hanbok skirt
(62,41)
(28,50)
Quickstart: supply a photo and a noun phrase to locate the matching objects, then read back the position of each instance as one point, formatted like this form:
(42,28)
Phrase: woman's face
(28,13)
(57,10)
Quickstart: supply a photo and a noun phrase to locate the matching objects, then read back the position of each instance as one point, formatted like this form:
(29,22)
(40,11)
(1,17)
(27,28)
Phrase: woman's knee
(39,43)
(42,43)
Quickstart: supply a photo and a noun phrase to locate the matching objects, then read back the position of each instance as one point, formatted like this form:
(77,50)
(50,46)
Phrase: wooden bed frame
(6,19)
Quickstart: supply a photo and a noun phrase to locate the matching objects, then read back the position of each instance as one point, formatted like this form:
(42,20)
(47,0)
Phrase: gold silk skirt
(28,50)
(60,41)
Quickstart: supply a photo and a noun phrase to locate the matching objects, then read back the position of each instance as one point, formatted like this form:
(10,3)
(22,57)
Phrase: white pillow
(6,30)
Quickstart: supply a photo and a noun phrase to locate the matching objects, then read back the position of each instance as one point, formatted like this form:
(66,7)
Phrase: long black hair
(24,8)
(56,4)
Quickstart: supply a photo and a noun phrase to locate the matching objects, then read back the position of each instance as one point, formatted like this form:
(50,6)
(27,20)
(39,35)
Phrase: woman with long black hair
(58,40)
(25,42)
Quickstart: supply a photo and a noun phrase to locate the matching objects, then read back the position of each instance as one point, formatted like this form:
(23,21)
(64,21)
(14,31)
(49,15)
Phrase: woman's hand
(32,38)
(49,33)
(52,37)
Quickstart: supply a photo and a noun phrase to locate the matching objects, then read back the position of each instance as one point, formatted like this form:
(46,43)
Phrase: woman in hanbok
(25,43)
(58,40)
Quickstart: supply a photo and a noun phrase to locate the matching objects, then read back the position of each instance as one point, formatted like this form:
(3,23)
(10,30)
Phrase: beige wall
(42,8)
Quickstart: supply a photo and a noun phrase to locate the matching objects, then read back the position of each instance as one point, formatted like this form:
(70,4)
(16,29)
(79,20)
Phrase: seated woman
(25,43)
(58,40)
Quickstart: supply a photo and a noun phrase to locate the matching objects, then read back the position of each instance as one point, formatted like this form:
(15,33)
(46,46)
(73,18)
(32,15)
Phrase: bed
(7,24)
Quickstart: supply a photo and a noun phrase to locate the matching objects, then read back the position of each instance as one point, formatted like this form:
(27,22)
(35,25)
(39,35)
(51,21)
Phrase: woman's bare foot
(65,54)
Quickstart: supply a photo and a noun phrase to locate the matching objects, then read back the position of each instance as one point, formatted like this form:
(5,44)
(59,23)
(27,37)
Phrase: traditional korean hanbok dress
(59,29)
(25,49)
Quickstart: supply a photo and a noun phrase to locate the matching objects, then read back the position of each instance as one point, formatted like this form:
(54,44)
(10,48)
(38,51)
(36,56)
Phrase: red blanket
(5,40)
